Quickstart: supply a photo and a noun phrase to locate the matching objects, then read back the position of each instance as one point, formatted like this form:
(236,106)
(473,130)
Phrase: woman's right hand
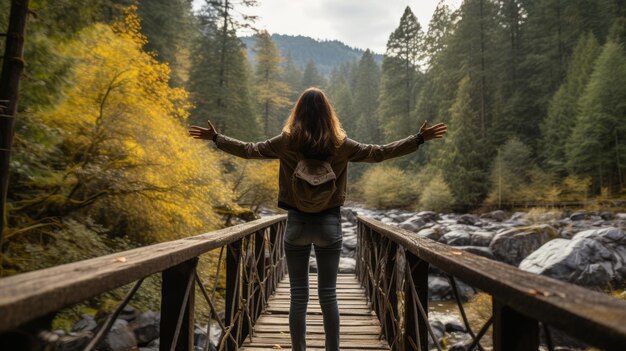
(435,132)
(203,133)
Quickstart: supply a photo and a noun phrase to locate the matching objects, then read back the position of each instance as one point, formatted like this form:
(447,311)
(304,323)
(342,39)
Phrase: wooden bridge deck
(360,328)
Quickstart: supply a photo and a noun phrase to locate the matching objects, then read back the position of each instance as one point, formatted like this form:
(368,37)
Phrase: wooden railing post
(512,331)
(389,287)
(259,255)
(415,329)
(177,307)
(233,258)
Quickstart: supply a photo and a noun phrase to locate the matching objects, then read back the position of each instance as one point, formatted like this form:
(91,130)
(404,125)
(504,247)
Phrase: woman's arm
(268,149)
(378,153)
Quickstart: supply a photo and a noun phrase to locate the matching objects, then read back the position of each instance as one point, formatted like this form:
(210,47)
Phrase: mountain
(326,54)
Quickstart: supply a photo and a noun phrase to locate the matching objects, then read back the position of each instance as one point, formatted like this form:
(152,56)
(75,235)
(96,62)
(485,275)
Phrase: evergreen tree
(399,76)
(597,146)
(557,126)
(510,172)
(220,82)
(272,93)
(168,24)
(367,89)
(311,77)
(464,162)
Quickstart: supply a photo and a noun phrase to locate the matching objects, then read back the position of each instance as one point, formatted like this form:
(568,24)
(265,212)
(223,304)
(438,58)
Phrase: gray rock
(128,313)
(497,215)
(147,326)
(429,216)
(348,215)
(481,238)
(469,219)
(413,224)
(438,288)
(74,341)
(86,323)
(578,216)
(434,233)
(593,258)
(513,245)
(456,238)
(120,337)
(347,265)
(438,329)
(153,346)
(200,337)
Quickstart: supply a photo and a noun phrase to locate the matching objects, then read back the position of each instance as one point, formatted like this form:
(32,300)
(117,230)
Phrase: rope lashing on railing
(523,303)
(254,258)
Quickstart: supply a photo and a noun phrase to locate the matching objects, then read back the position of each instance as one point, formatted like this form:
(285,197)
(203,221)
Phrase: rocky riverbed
(584,248)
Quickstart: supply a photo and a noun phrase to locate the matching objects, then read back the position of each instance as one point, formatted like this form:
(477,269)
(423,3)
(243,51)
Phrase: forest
(533,92)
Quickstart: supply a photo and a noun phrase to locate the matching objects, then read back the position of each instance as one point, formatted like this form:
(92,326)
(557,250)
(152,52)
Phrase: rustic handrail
(392,260)
(252,276)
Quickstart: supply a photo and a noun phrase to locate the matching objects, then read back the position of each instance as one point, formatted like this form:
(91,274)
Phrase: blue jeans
(324,232)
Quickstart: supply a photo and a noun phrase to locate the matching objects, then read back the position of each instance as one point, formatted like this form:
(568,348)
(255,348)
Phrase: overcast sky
(358,23)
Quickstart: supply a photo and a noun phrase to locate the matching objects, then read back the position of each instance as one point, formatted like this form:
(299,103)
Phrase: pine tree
(464,162)
(168,26)
(220,82)
(366,92)
(510,172)
(272,93)
(399,76)
(311,76)
(597,146)
(557,126)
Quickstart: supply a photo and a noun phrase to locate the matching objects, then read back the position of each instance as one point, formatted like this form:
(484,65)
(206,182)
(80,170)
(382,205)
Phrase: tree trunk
(12,67)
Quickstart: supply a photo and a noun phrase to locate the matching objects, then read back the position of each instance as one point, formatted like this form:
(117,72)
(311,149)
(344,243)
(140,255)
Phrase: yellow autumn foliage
(123,126)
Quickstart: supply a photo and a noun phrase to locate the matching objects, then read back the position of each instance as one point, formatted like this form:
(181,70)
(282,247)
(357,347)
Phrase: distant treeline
(325,54)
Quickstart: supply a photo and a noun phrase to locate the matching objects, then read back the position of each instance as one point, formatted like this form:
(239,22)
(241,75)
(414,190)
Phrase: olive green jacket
(349,151)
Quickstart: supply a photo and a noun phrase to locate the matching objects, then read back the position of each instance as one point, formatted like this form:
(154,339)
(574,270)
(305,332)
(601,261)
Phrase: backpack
(313,185)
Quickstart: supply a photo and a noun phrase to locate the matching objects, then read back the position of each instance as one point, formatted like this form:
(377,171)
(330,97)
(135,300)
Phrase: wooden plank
(593,317)
(26,296)
(360,328)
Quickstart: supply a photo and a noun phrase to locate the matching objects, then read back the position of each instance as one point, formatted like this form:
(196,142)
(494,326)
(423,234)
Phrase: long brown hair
(313,127)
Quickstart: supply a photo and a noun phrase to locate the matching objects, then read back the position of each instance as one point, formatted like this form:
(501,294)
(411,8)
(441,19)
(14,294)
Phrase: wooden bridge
(384,306)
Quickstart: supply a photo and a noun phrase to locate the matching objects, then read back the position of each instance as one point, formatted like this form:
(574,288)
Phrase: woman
(313,132)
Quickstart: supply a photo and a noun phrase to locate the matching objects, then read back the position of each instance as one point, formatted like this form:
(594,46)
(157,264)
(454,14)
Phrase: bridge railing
(254,264)
(393,264)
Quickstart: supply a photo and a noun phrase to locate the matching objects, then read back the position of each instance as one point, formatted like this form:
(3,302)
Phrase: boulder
(456,238)
(468,219)
(128,313)
(497,215)
(74,341)
(86,323)
(593,258)
(119,338)
(429,216)
(578,216)
(439,289)
(430,233)
(146,326)
(348,215)
(481,238)
(513,245)
(347,265)
(414,223)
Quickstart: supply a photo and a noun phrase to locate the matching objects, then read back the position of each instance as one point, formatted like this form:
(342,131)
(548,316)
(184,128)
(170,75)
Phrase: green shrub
(386,187)
(436,196)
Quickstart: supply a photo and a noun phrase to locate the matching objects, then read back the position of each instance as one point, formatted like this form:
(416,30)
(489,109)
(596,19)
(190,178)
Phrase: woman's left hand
(203,133)
(435,132)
